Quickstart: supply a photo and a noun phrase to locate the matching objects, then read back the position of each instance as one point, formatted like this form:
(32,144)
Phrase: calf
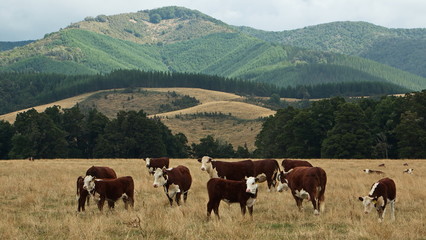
(110,190)
(373,171)
(305,183)
(290,164)
(382,165)
(175,181)
(154,163)
(268,167)
(228,170)
(97,172)
(243,192)
(409,171)
(381,193)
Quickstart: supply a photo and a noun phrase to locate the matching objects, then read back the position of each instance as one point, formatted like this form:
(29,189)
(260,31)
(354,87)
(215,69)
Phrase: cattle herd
(231,182)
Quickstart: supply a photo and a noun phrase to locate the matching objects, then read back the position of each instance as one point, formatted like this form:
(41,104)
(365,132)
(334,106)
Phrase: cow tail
(321,196)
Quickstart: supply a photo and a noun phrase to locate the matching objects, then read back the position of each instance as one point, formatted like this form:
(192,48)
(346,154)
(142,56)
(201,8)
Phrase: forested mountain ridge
(182,40)
(401,48)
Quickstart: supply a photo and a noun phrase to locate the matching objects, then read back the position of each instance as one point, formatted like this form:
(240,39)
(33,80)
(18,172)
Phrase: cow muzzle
(203,169)
(155,185)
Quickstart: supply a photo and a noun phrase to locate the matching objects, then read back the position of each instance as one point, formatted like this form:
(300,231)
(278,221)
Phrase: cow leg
(381,212)
(315,203)
(111,204)
(216,209)
(101,203)
(177,198)
(299,203)
(185,196)
(250,209)
(243,209)
(392,209)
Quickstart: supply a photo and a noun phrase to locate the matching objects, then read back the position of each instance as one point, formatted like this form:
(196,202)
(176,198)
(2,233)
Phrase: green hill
(401,48)
(10,45)
(182,40)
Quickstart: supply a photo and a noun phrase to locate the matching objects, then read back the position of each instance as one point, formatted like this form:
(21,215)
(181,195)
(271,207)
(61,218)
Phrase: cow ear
(361,199)
(199,159)
(210,159)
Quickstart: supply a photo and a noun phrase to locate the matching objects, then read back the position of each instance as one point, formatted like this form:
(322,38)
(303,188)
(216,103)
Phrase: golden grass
(37,201)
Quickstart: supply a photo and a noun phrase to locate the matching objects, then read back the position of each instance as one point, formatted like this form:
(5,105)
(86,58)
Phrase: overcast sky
(32,19)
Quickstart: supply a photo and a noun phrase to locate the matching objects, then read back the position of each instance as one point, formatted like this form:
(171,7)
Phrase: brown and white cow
(373,171)
(154,163)
(290,164)
(176,181)
(382,192)
(268,167)
(243,192)
(305,183)
(97,172)
(408,170)
(110,190)
(228,170)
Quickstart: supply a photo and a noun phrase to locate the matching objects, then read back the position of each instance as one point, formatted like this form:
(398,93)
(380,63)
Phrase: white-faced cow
(176,181)
(290,164)
(373,171)
(154,163)
(97,172)
(305,183)
(408,170)
(382,192)
(227,170)
(243,192)
(110,190)
(268,167)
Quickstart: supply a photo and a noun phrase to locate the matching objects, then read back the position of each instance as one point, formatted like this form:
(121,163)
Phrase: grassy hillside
(400,48)
(45,208)
(181,40)
(10,45)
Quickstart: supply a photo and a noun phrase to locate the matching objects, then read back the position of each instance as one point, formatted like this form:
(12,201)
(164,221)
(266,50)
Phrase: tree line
(24,90)
(391,127)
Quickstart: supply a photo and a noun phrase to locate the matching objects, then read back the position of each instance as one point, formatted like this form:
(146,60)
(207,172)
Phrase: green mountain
(182,40)
(401,48)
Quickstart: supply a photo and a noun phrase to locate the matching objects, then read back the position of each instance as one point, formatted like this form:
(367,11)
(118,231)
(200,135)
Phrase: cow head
(282,181)
(206,163)
(89,183)
(160,177)
(372,202)
(251,183)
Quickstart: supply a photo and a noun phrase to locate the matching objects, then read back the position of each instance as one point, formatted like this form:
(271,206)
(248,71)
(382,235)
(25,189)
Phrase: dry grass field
(37,201)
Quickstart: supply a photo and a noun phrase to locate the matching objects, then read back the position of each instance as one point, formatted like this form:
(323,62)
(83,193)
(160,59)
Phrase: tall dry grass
(37,201)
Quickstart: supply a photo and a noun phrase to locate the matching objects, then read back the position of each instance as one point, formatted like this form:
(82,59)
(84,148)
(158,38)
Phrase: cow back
(267,166)
(231,190)
(115,188)
(290,164)
(307,178)
(181,176)
(234,170)
(385,188)
(101,172)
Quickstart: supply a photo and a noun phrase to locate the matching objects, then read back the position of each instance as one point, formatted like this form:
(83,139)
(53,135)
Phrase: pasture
(37,201)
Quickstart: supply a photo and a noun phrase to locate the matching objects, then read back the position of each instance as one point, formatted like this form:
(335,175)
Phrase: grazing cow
(154,163)
(382,165)
(381,192)
(110,190)
(268,167)
(243,192)
(305,183)
(373,171)
(290,164)
(228,170)
(405,164)
(175,181)
(97,172)
(409,171)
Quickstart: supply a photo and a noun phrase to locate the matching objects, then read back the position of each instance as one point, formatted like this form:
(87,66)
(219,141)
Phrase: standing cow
(111,190)
(153,163)
(305,183)
(176,181)
(382,192)
(228,170)
(97,172)
(268,167)
(243,192)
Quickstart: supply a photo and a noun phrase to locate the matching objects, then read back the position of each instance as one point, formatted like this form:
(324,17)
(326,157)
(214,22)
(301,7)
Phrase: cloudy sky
(31,19)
